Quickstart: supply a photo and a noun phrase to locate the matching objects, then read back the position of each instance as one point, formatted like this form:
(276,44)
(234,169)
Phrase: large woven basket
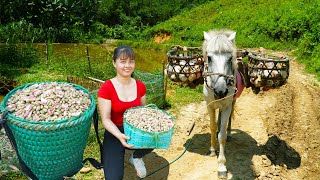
(141,139)
(185,64)
(267,71)
(51,149)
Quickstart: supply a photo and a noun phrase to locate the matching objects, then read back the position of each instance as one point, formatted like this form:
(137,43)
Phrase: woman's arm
(143,100)
(105,113)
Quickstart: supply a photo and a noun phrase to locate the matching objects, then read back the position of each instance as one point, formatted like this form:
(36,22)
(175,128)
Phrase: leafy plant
(16,60)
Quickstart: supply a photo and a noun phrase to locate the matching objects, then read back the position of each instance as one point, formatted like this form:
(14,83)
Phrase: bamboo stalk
(190,127)
(95,79)
(165,85)
(47,55)
(88,56)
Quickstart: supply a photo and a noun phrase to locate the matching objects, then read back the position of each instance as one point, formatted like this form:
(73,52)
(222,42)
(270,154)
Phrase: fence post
(47,54)
(165,84)
(88,56)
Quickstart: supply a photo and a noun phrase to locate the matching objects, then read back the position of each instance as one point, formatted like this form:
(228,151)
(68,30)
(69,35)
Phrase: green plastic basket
(51,149)
(141,139)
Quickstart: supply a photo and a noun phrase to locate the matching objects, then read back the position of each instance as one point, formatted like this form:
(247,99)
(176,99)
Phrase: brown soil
(161,37)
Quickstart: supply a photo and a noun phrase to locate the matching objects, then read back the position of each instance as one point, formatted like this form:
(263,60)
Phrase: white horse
(219,52)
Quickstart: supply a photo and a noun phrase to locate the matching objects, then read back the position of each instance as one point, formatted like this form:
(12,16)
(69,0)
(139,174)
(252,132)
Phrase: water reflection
(148,60)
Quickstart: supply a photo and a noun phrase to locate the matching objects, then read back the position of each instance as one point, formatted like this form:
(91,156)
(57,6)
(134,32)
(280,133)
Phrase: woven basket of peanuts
(50,122)
(185,64)
(267,71)
(148,127)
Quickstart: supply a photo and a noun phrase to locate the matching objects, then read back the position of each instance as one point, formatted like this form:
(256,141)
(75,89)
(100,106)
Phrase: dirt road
(275,136)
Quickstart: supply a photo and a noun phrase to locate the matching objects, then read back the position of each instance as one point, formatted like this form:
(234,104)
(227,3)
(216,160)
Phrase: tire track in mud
(296,122)
(275,135)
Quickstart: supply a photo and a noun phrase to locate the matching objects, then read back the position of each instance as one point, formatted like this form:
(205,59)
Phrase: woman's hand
(122,138)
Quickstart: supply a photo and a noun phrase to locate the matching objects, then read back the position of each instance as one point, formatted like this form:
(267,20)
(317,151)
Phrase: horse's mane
(219,43)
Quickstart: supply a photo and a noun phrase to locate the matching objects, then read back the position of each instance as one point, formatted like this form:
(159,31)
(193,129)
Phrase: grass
(277,25)
(179,95)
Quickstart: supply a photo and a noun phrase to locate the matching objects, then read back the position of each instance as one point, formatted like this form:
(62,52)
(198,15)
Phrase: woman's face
(124,66)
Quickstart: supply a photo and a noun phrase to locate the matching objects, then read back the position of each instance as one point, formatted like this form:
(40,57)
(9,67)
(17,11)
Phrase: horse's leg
(213,128)
(229,123)
(222,137)
(219,124)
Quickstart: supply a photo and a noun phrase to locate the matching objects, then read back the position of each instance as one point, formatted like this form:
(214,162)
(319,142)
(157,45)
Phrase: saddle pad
(239,85)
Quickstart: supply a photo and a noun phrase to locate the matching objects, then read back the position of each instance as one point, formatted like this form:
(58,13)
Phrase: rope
(190,141)
(216,100)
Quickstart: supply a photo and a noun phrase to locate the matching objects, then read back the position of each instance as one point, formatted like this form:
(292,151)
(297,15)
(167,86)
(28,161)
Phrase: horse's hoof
(212,153)
(222,174)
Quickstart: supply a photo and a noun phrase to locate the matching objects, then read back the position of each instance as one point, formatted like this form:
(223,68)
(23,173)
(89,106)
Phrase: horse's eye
(209,59)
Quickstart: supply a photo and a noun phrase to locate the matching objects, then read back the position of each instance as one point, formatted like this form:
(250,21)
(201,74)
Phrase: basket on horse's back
(267,71)
(185,64)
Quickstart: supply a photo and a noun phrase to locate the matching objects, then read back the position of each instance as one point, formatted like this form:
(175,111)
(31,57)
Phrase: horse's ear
(206,36)
(232,37)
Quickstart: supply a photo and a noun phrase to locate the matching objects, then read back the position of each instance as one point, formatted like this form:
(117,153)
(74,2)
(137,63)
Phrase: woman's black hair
(124,51)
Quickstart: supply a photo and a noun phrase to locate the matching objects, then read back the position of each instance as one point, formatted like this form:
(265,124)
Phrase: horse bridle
(230,79)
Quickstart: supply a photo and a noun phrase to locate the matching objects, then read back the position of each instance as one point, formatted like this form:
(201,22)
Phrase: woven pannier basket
(141,139)
(267,70)
(185,64)
(51,149)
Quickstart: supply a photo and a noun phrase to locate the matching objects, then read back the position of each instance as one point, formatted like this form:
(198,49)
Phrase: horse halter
(230,79)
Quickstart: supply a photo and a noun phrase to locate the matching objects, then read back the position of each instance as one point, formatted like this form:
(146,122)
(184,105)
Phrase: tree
(51,15)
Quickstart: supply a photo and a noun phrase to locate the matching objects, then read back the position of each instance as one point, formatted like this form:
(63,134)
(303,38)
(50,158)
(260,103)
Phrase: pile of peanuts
(149,119)
(48,102)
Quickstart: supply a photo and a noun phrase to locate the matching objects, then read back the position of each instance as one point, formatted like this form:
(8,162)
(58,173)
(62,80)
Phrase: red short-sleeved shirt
(118,107)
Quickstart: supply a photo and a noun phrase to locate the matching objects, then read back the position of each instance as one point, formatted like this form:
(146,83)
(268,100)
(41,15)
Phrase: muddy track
(296,120)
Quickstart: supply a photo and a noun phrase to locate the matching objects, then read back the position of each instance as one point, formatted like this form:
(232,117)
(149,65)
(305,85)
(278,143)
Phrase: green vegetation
(27,64)
(178,96)
(278,25)
(287,24)
(84,20)
(14,59)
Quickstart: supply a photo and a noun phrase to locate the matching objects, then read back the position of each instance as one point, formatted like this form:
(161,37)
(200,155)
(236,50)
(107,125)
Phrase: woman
(115,96)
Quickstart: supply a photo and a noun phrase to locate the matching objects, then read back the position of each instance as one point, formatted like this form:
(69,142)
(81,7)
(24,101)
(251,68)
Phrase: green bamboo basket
(141,139)
(51,150)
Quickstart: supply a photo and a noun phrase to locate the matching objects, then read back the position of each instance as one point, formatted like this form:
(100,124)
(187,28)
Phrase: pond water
(148,60)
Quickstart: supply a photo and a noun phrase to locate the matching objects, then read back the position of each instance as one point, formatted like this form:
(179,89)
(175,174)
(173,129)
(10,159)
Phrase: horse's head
(219,52)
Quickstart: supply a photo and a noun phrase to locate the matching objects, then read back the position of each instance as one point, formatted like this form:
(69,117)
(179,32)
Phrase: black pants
(113,156)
